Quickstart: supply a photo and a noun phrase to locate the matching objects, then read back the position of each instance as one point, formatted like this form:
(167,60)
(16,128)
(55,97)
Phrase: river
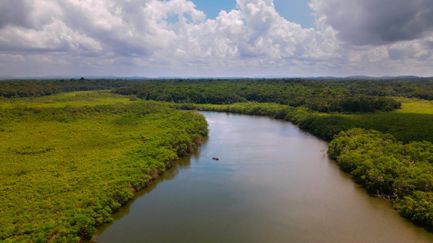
(273,183)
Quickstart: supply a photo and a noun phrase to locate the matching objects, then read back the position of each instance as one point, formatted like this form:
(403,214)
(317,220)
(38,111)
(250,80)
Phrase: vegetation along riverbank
(70,160)
(398,169)
(380,131)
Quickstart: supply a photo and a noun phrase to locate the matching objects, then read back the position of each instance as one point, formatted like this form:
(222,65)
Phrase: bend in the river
(273,183)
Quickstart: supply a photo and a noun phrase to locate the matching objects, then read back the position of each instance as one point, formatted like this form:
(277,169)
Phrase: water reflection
(181,164)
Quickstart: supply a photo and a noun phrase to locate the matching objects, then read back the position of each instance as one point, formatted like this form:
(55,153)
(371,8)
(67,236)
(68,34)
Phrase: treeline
(356,103)
(337,95)
(390,169)
(34,88)
(341,95)
(317,95)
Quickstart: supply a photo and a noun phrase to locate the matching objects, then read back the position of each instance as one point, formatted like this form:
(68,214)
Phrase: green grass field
(75,99)
(68,161)
(415,106)
(413,122)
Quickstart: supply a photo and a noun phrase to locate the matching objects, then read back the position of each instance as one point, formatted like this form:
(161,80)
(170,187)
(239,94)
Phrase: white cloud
(173,37)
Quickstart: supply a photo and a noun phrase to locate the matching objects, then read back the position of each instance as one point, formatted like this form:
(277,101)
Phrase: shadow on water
(181,164)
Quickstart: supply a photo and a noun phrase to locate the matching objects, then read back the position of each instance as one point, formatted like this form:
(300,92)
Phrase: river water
(273,183)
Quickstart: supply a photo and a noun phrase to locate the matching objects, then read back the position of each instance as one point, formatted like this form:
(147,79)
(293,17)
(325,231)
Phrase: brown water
(273,183)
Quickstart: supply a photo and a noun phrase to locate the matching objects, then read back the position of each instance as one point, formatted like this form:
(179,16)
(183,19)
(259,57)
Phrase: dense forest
(380,131)
(341,95)
(317,95)
(391,169)
(34,88)
(71,160)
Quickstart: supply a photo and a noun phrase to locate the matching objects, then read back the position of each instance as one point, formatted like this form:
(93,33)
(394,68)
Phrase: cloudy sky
(218,38)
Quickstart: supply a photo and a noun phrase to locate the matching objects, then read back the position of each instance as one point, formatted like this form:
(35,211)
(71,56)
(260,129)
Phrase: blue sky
(296,11)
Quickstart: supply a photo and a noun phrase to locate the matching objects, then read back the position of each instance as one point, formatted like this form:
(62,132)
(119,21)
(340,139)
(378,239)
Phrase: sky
(294,10)
(224,38)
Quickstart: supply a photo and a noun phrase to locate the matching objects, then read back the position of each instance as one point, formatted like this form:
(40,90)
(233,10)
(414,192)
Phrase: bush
(391,169)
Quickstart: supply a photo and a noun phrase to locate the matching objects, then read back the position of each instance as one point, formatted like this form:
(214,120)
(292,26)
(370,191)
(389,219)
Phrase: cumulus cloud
(173,37)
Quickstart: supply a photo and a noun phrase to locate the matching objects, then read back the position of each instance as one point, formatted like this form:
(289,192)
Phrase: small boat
(215,158)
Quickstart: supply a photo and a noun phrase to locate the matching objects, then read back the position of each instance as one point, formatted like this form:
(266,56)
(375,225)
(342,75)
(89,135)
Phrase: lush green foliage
(317,95)
(386,167)
(114,145)
(83,98)
(27,88)
(341,95)
(68,162)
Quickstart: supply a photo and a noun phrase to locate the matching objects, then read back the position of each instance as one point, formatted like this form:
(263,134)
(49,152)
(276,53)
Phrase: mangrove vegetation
(69,161)
(74,151)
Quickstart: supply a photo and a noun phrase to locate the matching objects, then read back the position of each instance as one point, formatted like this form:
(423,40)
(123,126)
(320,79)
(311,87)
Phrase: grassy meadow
(413,122)
(72,99)
(68,161)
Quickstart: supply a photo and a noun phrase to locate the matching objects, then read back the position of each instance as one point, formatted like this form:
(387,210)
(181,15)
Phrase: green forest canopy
(67,162)
(394,163)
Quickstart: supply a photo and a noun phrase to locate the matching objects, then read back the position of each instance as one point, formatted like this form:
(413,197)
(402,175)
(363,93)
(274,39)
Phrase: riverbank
(386,167)
(273,183)
(69,161)
(411,123)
